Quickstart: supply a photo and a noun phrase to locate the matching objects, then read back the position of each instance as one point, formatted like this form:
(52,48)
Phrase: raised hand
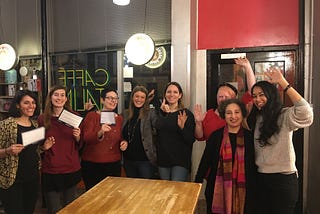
(164,107)
(198,113)
(182,118)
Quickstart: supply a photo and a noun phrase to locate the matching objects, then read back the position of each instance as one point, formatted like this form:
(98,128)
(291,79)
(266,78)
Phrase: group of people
(248,162)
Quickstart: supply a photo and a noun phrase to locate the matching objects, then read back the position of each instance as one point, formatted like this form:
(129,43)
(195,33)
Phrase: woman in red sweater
(101,156)
(60,160)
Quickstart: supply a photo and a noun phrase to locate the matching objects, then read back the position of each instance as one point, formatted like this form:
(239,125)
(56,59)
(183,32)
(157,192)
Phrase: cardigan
(9,164)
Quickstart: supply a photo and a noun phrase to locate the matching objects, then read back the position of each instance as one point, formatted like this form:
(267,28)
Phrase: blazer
(9,164)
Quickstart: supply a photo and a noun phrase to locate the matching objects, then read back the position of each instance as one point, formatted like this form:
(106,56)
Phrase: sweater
(63,156)
(175,144)
(101,151)
(279,157)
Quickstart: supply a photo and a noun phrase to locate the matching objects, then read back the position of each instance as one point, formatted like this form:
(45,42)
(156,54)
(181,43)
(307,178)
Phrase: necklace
(132,130)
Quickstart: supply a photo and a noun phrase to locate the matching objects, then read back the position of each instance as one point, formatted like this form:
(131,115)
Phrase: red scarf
(229,189)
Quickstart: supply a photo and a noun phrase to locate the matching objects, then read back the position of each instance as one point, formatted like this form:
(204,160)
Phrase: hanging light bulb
(121,2)
(8,57)
(139,48)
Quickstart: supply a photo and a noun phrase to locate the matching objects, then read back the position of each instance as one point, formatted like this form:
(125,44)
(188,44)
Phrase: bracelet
(287,88)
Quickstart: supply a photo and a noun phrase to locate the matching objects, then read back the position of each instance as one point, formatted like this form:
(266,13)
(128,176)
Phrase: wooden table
(121,195)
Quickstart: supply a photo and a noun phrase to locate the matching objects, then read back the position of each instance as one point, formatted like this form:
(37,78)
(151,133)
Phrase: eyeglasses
(112,98)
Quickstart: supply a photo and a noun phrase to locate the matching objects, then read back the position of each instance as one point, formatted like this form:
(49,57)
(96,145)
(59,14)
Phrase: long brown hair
(145,107)
(48,109)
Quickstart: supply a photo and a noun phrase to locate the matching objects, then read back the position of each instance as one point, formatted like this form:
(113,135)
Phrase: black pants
(21,197)
(277,193)
(93,173)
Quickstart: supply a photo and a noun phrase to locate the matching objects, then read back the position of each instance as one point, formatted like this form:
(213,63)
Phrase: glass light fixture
(139,48)
(121,2)
(8,57)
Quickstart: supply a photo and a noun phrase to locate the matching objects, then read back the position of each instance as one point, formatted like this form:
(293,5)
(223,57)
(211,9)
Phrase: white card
(107,117)
(70,119)
(33,136)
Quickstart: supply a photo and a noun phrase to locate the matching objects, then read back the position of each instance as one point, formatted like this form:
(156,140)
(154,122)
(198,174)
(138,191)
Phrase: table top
(132,195)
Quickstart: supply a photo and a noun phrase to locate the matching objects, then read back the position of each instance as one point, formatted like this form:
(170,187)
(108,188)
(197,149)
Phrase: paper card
(107,117)
(33,136)
(70,119)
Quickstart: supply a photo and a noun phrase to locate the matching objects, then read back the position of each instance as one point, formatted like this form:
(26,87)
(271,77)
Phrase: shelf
(5,84)
(6,97)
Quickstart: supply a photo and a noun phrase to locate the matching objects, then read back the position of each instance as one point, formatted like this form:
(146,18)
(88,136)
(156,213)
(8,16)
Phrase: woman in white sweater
(273,127)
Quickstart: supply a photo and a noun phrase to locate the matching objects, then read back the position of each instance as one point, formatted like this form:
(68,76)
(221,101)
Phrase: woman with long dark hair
(19,165)
(273,128)
(175,129)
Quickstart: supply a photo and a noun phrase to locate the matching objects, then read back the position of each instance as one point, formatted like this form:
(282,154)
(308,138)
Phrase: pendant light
(121,2)
(8,57)
(140,47)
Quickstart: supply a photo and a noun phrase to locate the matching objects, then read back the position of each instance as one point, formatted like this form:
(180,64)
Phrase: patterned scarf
(229,190)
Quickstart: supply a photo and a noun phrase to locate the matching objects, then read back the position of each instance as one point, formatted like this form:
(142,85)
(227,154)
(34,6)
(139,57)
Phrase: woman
(208,122)
(101,153)
(175,129)
(60,160)
(229,151)
(273,127)
(19,165)
(138,132)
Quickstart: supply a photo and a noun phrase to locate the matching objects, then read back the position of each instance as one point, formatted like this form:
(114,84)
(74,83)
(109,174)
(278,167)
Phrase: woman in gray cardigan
(139,149)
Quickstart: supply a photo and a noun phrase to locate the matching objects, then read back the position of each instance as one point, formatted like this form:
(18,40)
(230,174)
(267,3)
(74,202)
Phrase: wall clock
(158,58)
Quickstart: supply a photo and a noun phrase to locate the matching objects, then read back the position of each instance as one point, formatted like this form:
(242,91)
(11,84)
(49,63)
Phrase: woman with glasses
(101,155)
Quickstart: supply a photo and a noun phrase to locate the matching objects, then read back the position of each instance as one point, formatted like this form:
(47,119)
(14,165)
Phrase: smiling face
(225,93)
(59,98)
(259,97)
(172,95)
(110,101)
(233,116)
(139,98)
(27,106)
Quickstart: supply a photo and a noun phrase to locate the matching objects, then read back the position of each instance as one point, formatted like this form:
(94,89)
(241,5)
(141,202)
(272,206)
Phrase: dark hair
(224,104)
(180,104)
(14,111)
(145,106)
(229,86)
(270,112)
(48,109)
(107,90)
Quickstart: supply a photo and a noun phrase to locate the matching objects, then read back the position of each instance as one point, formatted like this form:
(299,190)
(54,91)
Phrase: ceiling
(82,25)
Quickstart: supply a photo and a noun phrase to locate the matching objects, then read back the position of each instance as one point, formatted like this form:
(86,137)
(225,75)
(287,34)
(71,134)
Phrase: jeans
(175,173)
(138,169)
(277,193)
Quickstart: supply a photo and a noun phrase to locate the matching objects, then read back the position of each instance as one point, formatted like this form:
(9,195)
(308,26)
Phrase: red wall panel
(247,23)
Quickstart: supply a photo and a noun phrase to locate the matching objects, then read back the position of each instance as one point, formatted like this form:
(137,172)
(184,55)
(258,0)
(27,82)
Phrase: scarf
(229,189)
